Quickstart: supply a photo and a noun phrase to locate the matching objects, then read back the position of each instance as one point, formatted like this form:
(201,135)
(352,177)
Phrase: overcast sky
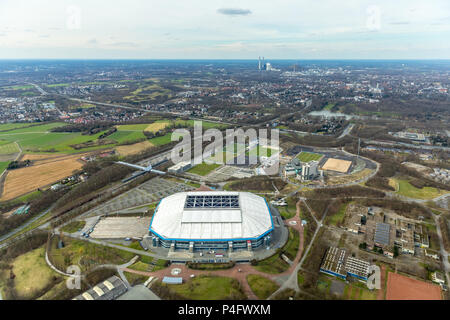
(209,29)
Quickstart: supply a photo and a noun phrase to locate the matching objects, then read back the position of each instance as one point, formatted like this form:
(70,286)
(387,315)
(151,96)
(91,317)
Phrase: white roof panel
(172,220)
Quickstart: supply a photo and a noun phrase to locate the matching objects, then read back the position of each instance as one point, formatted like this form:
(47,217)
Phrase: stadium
(212,220)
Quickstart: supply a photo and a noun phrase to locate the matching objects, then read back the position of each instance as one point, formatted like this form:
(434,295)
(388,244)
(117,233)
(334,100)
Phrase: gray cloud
(234,11)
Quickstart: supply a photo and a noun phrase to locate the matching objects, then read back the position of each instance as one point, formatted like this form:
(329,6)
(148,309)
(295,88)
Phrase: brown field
(155,127)
(133,148)
(337,165)
(403,288)
(42,173)
(40,159)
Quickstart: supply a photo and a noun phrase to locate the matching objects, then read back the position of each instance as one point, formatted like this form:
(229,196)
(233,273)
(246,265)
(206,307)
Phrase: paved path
(292,281)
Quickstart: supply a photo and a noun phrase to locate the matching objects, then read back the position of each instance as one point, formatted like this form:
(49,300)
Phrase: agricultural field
(43,175)
(406,189)
(203,169)
(8,148)
(158,125)
(209,288)
(131,149)
(261,286)
(308,156)
(39,139)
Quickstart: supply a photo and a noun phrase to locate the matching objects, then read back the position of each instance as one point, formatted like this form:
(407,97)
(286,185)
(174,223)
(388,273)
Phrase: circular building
(212,220)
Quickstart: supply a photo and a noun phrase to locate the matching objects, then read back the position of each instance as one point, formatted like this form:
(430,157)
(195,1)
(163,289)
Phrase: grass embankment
(275,264)
(73,226)
(261,286)
(86,254)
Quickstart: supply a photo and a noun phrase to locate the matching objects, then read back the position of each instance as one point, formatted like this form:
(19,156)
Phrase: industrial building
(180,167)
(197,221)
(110,289)
(339,263)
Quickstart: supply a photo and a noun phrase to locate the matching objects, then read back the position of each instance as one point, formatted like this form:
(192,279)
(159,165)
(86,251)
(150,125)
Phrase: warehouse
(206,220)
(337,262)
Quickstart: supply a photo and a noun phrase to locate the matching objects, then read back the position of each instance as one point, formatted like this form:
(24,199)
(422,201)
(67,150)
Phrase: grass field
(261,286)
(203,169)
(159,141)
(209,288)
(308,156)
(408,190)
(32,273)
(43,175)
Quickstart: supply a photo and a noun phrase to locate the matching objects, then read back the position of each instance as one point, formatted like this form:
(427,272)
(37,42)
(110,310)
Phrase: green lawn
(209,288)
(261,286)
(408,190)
(308,156)
(203,169)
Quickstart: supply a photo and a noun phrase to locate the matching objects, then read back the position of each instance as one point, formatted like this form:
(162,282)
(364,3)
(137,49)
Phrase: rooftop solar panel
(382,232)
(212,202)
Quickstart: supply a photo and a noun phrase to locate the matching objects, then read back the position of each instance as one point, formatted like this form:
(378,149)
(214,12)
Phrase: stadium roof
(212,216)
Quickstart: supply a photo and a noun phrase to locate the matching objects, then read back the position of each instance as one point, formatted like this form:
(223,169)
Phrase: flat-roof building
(212,220)
(337,262)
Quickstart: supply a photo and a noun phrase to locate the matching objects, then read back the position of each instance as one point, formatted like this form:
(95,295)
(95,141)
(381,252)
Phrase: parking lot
(148,192)
(121,228)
